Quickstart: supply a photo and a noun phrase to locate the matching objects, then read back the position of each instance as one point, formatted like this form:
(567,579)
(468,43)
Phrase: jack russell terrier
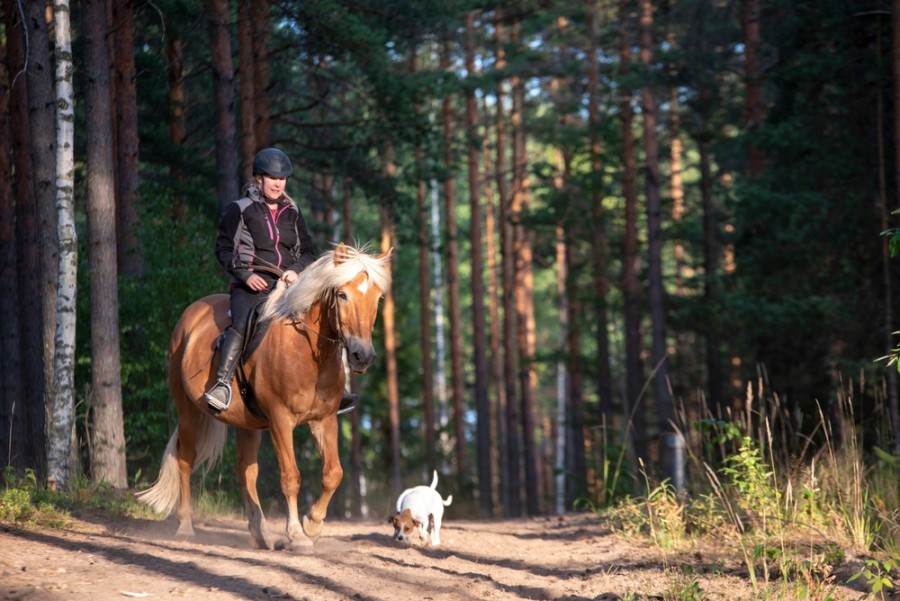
(420,508)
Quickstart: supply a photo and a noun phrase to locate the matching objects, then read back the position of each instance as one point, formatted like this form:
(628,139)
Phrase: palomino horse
(297,377)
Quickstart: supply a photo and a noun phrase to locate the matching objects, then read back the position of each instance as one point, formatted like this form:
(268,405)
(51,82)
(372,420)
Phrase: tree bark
(259,15)
(127,177)
(524,289)
(223,98)
(13,427)
(246,75)
(498,425)
(43,147)
(62,398)
(511,483)
(177,116)
(656,293)
(455,313)
(107,430)
(479,321)
(634,427)
(30,443)
(753,78)
(390,333)
(600,247)
(894,405)
(425,340)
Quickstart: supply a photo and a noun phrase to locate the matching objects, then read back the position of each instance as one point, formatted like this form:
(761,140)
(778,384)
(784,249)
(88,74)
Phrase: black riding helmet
(272,162)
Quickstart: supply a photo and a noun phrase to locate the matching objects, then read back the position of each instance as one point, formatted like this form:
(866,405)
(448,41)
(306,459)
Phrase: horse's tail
(209,445)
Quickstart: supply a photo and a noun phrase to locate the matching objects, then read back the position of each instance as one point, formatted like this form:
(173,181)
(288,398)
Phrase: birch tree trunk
(62,397)
(107,430)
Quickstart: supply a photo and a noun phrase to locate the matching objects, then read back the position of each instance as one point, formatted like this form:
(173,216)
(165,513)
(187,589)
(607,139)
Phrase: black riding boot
(348,402)
(219,396)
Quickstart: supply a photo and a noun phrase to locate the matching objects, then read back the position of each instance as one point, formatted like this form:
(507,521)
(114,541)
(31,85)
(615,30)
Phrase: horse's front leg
(247,469)
(283,442)
(325,433)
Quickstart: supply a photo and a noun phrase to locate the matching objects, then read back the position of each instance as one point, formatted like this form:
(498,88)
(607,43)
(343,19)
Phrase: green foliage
(754,482)
(879,575)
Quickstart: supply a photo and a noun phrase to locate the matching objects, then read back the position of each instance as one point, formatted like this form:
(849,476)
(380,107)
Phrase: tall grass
(793,503)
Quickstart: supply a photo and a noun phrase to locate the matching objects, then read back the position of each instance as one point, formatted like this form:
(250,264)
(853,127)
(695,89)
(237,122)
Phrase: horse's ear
(341,253)
(385,254)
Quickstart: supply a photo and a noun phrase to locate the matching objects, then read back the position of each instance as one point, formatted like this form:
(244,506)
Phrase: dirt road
(571,558)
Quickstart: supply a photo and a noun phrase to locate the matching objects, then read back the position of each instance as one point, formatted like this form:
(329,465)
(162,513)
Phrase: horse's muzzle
(360,354)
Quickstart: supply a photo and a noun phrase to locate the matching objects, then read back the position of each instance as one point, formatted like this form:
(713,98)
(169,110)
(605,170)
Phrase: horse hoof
(302,545)
(311,529)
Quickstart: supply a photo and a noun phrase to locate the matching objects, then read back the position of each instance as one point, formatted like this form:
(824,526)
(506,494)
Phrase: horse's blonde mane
(322,276)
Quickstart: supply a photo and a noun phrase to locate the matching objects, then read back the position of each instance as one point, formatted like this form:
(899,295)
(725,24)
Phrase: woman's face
(273,187)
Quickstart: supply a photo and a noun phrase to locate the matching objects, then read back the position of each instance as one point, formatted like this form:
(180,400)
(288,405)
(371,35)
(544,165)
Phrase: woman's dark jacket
(250,236)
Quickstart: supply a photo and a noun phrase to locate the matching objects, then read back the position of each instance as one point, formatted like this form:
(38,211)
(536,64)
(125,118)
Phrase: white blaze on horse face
(363,286)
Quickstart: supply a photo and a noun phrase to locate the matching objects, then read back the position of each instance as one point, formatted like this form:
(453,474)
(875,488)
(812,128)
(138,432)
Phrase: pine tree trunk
(656,292)
(107,430)
(12,411)
(425,340)
(177,118)
(29,444)
(753,78)
(454,312)
(246,75)
(356,465)
(634,427)
(600,245)
(511,483)
(259,14)
(390,334)
(62,405)
(498,425)
(41,103)
(524,290)
(479,321)
(223,98)
(130,252)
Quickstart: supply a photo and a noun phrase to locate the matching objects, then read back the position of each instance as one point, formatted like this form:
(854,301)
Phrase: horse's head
(356,302)
(349,284)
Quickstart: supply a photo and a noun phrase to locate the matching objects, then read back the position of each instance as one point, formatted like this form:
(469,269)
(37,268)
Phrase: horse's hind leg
(325,434)
(247,468)
(186,455)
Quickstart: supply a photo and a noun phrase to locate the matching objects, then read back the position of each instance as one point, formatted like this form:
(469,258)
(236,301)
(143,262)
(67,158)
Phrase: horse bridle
(266,266)
(341,340)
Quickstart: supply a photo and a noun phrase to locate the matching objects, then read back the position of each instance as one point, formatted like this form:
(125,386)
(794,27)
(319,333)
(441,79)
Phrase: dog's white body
(420,508)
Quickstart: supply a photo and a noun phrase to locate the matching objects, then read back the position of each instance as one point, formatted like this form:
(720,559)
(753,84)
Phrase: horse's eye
(342,295)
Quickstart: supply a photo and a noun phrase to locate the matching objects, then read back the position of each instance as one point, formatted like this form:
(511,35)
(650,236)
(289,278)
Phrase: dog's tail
(448,500)
(434,481)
